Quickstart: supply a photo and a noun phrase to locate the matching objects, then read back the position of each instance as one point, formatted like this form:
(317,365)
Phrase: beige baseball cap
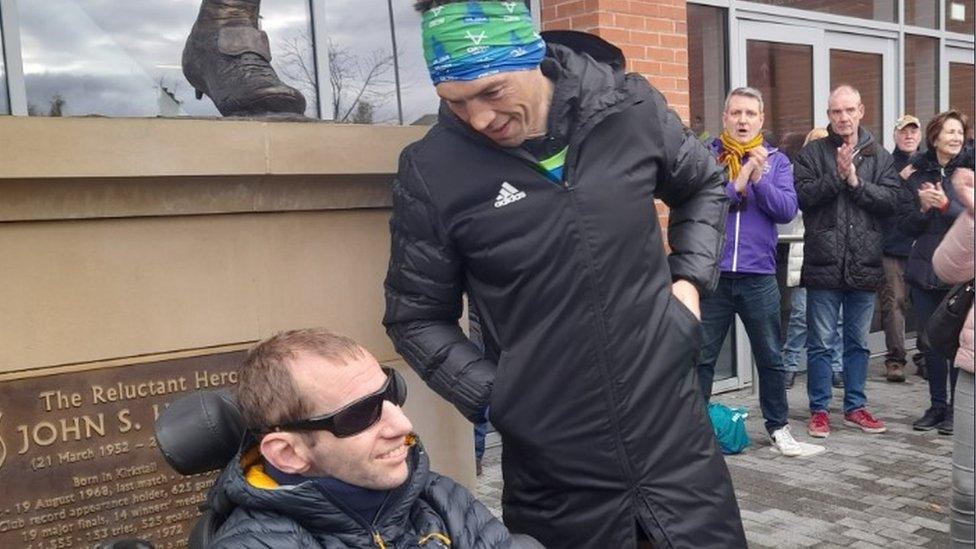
(905,120)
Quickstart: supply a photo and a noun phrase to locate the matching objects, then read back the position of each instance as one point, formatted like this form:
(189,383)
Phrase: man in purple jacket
(760,188)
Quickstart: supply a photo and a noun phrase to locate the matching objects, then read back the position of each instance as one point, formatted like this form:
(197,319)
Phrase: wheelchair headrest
(200,432)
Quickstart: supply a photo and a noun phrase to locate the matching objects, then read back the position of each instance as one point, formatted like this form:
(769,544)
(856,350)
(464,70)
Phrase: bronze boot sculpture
(228,58)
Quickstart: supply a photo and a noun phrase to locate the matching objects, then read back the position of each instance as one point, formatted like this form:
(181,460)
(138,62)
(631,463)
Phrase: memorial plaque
(78,459)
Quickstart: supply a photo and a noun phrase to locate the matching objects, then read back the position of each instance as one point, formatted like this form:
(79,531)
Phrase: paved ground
(867,491)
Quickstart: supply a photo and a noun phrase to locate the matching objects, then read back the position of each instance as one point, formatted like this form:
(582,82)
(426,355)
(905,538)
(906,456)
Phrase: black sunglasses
(357,416)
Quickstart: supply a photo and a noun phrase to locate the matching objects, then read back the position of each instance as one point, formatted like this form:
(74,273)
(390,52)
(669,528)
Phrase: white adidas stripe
(507,195)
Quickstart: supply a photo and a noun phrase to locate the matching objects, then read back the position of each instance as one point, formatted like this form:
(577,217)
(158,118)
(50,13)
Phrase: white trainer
(785,444)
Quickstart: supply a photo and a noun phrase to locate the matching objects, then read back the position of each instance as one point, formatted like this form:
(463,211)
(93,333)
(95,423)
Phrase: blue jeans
(796,335)
(480,432)
(756,300)
(823,310)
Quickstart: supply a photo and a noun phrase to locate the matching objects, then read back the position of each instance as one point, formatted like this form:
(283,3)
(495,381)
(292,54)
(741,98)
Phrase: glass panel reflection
(4,98)
(962,81)
(922,13)
(784,75)
(122,58)
(864,72)
(725,364)
(959,15)
(707,74)
(921,77)
(420,101)
(361,62)
(878,10)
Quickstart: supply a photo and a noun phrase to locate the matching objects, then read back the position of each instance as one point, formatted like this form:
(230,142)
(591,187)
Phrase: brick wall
(652,34)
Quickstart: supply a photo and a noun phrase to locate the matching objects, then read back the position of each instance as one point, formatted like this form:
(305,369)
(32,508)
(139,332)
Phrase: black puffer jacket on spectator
(928,228)
(896,242)
(843,239)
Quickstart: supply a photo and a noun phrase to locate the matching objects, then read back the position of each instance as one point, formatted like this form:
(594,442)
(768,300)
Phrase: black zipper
(372,527)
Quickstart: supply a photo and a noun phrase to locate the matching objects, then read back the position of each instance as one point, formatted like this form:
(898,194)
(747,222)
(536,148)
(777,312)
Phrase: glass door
(959,82)
(786,64)
(868,64)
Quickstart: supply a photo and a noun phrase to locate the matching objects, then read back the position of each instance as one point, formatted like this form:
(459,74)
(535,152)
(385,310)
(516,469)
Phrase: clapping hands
(845,164)
(931,196)
(757,160)
(753,170)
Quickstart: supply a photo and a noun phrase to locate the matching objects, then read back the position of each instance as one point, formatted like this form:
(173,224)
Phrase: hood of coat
(306,504)
(588,77)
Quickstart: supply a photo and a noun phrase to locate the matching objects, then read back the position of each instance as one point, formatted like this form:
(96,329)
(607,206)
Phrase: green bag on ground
(729,425)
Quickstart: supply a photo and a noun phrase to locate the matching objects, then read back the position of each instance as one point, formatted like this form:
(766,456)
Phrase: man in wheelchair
(330,460)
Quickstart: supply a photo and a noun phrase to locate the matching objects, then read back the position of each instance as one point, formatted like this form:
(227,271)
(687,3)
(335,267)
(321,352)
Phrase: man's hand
(962,182)
(907,171)
(687,294)
(758,158)
(741,180)
(844,159)
(845,165)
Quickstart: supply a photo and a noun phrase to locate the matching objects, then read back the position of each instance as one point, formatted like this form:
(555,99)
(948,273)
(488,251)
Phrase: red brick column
(653,35)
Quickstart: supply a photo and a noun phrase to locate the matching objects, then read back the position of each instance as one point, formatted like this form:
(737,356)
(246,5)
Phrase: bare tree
(354,79)
(57,105)
(363,114)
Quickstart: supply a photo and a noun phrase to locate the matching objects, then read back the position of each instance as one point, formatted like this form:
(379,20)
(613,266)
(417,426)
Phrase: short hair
(815,134)
(935,125)
(745,91)
(845,88)
(266,390)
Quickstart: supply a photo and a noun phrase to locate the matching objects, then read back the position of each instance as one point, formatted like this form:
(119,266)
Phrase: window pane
(707,70)
(959,16)
(361,61)
(962,80)
(4,98)
(420,101)
(922,13)
(784,75)
(123,58)
(879,10)
(864,72)
(921,77)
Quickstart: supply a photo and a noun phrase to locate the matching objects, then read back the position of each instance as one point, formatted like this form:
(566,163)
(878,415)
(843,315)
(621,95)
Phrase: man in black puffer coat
(535,194)
(354,477)
(846,185)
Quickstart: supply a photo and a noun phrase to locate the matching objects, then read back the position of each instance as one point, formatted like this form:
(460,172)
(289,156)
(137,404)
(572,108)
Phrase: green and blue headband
(471,40)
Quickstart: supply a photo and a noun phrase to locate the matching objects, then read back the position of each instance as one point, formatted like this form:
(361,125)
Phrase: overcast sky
(108,56)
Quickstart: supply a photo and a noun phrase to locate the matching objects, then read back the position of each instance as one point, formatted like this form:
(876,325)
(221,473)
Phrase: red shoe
(819,424)
(863,419)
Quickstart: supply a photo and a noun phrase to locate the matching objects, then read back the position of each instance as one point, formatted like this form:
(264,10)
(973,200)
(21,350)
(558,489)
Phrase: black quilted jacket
(593,392)
(928,229)
(429,511)
(843,240)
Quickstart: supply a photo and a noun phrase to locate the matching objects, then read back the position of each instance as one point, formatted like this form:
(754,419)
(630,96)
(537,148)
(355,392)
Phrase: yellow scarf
(733,151)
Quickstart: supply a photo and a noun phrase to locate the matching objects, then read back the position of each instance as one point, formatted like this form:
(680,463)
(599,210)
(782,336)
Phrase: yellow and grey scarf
(733,151)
